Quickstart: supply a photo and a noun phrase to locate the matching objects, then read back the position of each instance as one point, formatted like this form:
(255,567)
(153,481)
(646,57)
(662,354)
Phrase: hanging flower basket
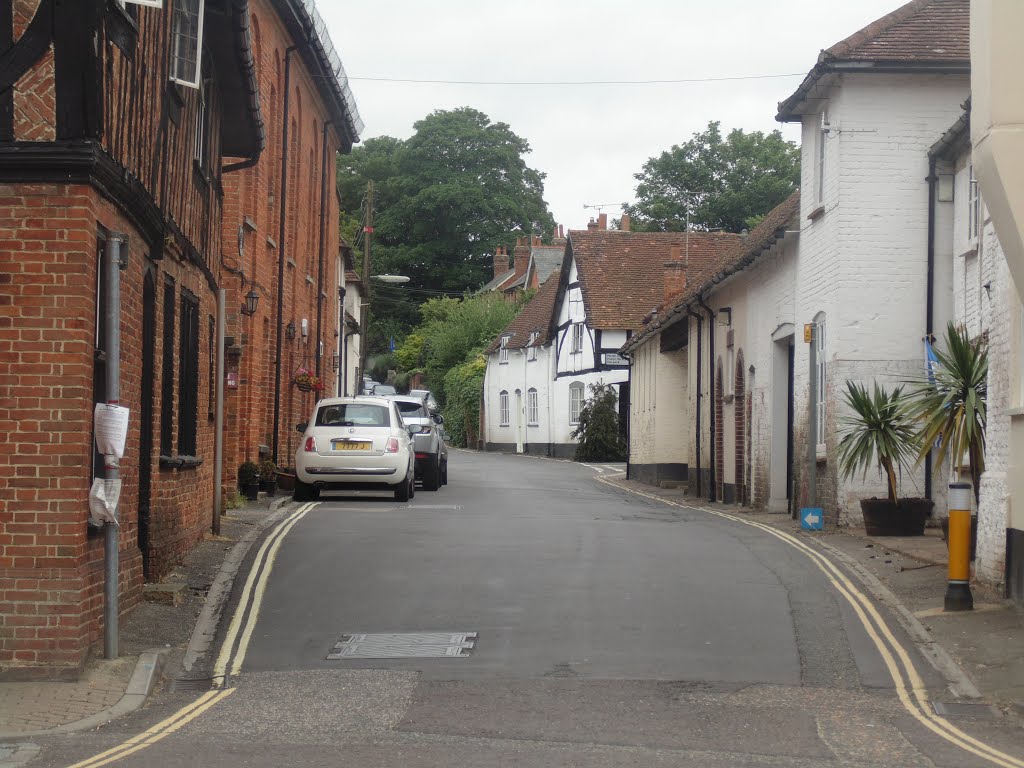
(307,382)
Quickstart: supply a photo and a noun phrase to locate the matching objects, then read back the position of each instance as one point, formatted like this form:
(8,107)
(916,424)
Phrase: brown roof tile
(622,274)
(535,316)
(922,32)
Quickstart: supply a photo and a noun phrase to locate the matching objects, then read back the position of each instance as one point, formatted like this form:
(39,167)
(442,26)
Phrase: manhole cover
(404,645)
(965,709)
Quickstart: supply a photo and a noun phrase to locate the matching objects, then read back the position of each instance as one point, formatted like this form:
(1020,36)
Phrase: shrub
(598,430)
(464,384)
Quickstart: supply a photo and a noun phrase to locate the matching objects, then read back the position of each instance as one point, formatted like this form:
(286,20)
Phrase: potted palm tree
(949,405)
(878,433)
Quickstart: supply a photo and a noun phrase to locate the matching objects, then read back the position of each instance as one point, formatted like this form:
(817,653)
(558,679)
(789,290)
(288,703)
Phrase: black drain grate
(192,684)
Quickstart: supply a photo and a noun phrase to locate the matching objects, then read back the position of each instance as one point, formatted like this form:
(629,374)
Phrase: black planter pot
(251,491)
(905,517)
(269,487)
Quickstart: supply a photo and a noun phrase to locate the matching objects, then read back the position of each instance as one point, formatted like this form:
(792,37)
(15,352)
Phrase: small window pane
(186,41)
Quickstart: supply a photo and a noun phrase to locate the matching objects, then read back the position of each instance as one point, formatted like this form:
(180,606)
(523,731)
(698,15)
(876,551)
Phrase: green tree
(728,183)
(444,199)
(598,431)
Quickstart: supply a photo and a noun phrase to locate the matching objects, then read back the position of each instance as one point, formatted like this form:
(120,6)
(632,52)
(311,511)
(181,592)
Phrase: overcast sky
(589,140)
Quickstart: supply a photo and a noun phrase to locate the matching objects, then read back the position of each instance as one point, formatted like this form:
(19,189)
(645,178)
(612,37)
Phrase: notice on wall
(110,424)
(103,498)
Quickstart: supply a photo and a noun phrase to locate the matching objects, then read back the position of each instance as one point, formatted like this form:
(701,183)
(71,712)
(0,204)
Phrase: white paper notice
(111,422)
(103,498)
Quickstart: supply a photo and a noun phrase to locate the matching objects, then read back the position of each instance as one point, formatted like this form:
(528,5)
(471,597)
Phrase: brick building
(133,137)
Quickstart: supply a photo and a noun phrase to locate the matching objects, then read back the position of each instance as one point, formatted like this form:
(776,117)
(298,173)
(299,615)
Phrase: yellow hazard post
(958,591)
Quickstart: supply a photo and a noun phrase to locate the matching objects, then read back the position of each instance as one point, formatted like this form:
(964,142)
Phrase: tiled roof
(498,282)
(737,258)
(546,260)
(622,274)
(535,316)
(920,33)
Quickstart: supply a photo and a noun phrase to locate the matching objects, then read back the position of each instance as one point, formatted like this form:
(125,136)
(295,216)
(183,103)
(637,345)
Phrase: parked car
(368,385)
(431,451)
(383,390)
(426,396)
(356,443)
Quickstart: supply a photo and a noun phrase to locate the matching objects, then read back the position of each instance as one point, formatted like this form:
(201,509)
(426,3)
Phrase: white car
(355,443)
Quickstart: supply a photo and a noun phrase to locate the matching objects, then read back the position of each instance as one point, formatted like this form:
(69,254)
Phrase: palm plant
(949,404)
(877,433)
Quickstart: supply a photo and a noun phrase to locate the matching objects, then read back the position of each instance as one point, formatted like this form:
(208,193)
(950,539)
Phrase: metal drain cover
(192,684)
(404,645)
(965,709)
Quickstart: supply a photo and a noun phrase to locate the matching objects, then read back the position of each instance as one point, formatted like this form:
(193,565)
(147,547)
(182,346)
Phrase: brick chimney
(592,225)
(500,261)
(625,223)
(602,221)
(521,256)
(675,276)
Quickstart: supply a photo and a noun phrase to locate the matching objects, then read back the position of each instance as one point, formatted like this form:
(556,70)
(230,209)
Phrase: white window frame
(532,411)
(576,400)
(178,38)
(503,351)
(147,3)
(577,338)
(202,128)
(821,398)
(503,412)
(531,354)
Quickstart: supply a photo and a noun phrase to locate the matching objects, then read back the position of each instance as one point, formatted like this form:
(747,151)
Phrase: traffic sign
(812,518)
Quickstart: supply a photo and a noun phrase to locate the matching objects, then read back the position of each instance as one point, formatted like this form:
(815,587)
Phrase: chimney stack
(625,223)
(500,261)
(602,221)
(521,256)
(592,225)
(675,276)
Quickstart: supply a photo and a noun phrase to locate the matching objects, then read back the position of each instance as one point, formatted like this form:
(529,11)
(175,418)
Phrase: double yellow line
(242,624)
(910,688)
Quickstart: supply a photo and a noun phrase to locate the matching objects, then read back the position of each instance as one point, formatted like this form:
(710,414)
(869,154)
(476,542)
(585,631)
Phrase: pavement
(154,643)
(982,650)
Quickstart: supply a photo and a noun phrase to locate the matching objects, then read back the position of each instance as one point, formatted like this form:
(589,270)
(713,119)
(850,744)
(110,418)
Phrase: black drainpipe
(930,303)
(280,252)
(320,252)
(700,397)
(711,391)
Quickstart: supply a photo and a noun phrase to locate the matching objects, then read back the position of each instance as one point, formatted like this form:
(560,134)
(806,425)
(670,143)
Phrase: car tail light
(421,455)
(310,446)
(391,447)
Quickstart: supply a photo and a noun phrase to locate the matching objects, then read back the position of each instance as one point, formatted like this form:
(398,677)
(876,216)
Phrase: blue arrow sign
(812,518)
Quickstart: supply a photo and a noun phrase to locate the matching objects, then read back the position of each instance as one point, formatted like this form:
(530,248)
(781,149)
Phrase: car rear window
(413,410)
(353,415)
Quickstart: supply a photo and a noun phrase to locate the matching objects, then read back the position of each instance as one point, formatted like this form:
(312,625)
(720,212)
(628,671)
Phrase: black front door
(146,415)
(789,433)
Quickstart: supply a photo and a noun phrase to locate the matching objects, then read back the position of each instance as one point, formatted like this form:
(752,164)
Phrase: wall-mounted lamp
(289,331)
(728,312)
(252,300)
(335,362)
(304,326)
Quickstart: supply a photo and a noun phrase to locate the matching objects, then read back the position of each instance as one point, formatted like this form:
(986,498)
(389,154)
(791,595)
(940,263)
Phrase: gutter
(243,39)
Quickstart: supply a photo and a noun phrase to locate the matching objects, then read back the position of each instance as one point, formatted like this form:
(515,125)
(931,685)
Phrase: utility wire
(577,82)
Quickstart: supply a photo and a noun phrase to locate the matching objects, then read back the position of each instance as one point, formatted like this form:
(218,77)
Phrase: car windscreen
(383,390)
(411,410)
(353,415)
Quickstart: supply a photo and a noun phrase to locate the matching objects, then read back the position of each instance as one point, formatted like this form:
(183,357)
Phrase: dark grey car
(431,451)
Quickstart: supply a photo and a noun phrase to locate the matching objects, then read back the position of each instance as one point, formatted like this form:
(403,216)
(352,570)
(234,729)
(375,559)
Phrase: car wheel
(444,473)
(404,491)
(305,491)
(432,476)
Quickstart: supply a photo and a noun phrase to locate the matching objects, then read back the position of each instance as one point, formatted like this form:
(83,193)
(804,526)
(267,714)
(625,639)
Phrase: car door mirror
(301,427)
(438,418)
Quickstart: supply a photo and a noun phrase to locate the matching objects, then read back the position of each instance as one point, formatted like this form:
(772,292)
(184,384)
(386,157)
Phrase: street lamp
(252,300)
(393,279)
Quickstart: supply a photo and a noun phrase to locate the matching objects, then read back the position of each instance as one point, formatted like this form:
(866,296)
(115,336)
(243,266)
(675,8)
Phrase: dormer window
(503,350)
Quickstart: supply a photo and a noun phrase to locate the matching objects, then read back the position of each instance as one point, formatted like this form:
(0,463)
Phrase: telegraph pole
(367,237)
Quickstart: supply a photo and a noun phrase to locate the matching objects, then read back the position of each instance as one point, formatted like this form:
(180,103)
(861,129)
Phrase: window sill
(971,249)
(817,213)
(180,462)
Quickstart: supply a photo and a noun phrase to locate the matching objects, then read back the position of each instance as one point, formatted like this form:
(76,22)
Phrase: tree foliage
(598,430)
(463,386)
(729,182)
(443,200)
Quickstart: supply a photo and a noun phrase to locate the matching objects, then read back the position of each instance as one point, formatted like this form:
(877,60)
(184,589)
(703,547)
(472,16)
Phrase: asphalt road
(611,630)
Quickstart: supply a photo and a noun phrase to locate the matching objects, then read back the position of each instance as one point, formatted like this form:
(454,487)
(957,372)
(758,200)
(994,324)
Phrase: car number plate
(349,445)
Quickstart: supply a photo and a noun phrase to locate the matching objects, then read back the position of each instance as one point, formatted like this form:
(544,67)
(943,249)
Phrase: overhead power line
(671,81)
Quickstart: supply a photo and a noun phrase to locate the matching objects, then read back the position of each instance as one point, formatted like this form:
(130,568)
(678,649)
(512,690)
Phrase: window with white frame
(503,351)
(202,127)
(531,353)
(577,338)
(973,206)
(575,401)
(531,407)
(503,408)
(186,42)
(822,371)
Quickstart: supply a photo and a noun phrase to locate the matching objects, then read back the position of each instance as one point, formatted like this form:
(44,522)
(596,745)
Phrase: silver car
(431,451)
(356,442)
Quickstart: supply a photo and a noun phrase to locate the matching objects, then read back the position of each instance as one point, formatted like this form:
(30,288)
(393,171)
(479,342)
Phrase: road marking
(159,731)
(255,585)
(918,705)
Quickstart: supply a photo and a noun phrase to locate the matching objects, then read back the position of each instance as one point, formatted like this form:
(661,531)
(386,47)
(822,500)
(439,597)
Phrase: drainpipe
(320,251)
(700,397)
(711,390)
(281,252)
(930,303)
(342,340)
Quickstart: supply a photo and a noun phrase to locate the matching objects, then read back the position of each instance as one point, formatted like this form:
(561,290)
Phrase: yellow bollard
(958,591)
